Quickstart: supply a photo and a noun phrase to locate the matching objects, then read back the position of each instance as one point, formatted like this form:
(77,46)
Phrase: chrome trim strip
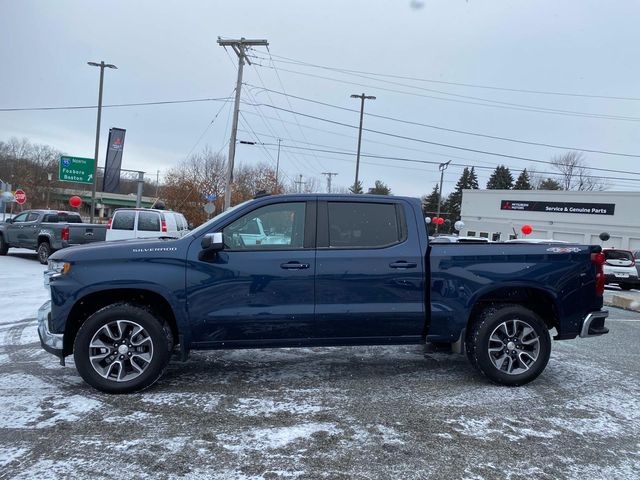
(52,340)
(586,323)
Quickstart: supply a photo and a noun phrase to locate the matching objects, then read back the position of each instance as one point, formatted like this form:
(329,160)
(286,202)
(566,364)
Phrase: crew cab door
(15,230)
(369,270)
(260,290)
(29,234)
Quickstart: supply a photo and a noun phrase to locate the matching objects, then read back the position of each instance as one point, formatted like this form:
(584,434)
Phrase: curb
(624,302)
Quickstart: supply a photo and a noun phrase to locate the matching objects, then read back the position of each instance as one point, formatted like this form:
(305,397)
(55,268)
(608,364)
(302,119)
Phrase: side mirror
(9,220)
(190,226)
(212,242)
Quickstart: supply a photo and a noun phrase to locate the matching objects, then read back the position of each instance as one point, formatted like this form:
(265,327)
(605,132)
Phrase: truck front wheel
(44,251)
(122,348)
(509,344)
(4,246)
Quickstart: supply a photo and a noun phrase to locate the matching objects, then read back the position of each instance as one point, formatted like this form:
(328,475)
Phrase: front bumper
(51,342)
(593,324)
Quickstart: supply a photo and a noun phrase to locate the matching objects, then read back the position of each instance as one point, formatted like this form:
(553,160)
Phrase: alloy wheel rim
(121,350)
(514,347)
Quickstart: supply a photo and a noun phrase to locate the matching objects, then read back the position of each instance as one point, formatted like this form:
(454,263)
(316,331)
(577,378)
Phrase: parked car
(350,270)
(457,239)
(534,240)
(636,257)
(620,268)
(127,223)
(47,231)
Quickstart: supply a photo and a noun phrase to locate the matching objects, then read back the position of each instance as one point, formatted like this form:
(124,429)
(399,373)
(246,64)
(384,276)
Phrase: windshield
(205,226)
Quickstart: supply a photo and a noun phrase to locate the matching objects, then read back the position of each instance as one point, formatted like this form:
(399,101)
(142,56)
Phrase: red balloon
(441,221)
(527,229)
(75,201)
(435,220)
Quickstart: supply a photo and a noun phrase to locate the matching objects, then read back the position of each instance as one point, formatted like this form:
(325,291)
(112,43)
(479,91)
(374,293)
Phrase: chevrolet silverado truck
(46,231)
(349,270)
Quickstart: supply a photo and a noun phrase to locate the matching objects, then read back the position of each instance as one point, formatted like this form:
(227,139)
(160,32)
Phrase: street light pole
(362,98)
(442,167)
(102,66)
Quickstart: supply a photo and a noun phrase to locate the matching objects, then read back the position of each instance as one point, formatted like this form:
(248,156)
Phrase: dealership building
(559,215)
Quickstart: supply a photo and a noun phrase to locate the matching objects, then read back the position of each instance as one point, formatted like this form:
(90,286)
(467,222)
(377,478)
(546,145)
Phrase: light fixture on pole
(102,66)
(442,167)
(362,98)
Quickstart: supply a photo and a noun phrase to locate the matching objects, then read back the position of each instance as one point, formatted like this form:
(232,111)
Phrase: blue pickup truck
(327,270)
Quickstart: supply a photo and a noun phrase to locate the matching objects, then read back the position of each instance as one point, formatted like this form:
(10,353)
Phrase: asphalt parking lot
(366,412)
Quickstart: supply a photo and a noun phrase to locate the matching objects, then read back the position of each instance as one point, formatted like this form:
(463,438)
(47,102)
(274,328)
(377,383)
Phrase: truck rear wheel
(122,348)
(509,344)
(4,246)
(44,251)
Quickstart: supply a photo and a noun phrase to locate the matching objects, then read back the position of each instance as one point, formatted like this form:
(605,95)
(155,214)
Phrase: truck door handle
(294,265)
(403,264)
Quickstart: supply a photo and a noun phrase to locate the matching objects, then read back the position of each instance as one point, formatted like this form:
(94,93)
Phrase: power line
(444,145)
(463,132)
(490,103)
(115,105)
(413,160)
(442,82)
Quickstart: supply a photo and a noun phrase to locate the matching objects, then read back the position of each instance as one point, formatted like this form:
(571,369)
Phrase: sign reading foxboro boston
(559,207)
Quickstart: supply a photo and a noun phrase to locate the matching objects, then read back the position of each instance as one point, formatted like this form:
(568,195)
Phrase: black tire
(4,246)
(44,251)
(156,336)
(522,367)
(625,286)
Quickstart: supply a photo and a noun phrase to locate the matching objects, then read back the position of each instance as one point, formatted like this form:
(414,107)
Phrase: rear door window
(123,220)
(148,222)
(364,225)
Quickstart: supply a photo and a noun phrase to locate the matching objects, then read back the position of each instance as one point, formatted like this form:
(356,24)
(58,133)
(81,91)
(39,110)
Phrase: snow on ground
(21,286)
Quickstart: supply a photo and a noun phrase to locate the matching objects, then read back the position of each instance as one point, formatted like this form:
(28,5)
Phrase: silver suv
(620,268)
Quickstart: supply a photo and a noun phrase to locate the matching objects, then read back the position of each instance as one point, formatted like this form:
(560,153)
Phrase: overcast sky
(168,51)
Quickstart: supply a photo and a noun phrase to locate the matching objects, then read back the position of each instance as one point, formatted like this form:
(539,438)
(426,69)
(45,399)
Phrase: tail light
(598,260)
(64,234)
(109,224)
(163,226)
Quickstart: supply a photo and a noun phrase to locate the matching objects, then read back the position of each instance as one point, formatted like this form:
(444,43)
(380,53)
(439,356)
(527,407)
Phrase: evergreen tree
(549,184)
(380,188)
(430,202)
(523,182)
(356,188)
(468,181)
(501,179)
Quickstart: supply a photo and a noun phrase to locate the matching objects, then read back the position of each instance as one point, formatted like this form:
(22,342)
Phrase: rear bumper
(631,280)
(51,342)
(593,324)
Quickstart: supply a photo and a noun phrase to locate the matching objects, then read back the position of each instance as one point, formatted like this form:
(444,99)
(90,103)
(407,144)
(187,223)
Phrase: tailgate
(80,233)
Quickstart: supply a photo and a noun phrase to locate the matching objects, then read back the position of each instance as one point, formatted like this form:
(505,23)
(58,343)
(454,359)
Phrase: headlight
(55,266)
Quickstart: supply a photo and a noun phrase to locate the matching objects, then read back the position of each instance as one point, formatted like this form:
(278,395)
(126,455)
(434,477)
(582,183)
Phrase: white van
(129,223)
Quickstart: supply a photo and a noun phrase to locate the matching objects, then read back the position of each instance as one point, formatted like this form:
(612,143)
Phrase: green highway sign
(76,169)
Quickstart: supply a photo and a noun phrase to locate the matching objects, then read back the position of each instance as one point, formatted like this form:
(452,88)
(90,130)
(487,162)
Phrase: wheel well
(43,238)
(88,305)
(534,299)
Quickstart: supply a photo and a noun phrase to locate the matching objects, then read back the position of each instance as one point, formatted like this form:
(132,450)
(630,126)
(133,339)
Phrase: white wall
(481,212)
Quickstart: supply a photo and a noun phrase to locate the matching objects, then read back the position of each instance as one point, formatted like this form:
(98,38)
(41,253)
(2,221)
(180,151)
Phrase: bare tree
(186,184)
(575,174)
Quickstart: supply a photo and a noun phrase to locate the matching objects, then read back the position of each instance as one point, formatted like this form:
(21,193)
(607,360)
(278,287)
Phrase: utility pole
(157,182)
(300,183)
(275,190)
(362,98)
(102,66)
(240,47)
(329,175)
(442,167)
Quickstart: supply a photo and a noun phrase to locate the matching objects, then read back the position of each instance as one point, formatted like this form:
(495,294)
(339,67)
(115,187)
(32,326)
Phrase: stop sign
(20,196)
